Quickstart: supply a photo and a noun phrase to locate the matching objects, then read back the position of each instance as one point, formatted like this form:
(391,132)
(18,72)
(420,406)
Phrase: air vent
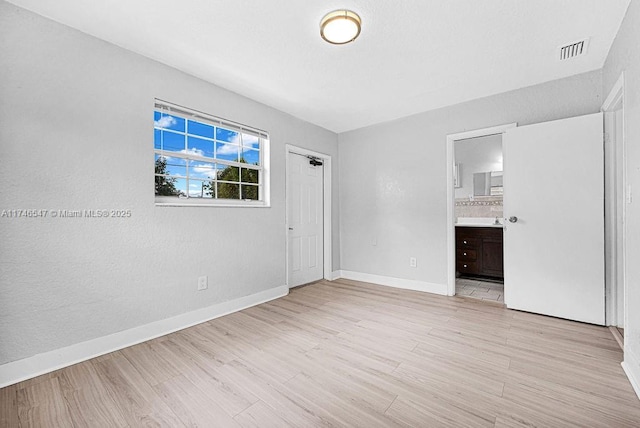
(572,50)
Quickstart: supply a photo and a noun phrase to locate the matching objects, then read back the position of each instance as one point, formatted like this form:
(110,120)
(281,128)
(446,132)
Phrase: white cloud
(205,170)
(165,122)
(249,140)
(196,152)
(227,149)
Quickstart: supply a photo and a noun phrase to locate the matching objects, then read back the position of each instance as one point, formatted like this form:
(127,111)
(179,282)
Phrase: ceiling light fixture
(340,26)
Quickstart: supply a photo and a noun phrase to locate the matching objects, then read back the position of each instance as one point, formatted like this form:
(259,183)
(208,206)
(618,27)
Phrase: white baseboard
(407,284)
(631,366)
(27,368)
(336,274)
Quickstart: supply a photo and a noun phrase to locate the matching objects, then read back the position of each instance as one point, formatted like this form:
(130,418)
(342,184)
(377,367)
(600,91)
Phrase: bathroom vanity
(479,250)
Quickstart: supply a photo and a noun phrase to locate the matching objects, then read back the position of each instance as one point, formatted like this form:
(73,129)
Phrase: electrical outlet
(202,283)
(413,262)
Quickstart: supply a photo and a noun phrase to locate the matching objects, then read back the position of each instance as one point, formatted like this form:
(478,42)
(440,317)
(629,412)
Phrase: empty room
(310,213)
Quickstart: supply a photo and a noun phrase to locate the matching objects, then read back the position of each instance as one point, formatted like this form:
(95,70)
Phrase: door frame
(616,101)
(451,200)
(326,207)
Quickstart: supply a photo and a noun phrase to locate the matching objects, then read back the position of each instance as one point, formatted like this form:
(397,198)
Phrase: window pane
(227,135)
(166,121)
(250,175)
(250,192)
(170,186)
(201,129)
(170,166)
(190,152)
(201,189)
(200,147)
(156,139)
(230,173)
(166,186)
(227,152)
(181,185)
(202,170)
(228,191)
(250,141)
(250,156)
(169,141)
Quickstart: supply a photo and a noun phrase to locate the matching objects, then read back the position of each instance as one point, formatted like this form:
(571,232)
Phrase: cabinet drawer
(467,267)
(465,242)
(467,255)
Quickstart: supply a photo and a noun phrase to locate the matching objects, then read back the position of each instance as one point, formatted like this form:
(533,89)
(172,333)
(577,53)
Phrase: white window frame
(263,167)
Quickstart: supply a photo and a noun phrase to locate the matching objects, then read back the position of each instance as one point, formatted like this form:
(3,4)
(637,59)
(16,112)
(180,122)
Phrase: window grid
(191,159)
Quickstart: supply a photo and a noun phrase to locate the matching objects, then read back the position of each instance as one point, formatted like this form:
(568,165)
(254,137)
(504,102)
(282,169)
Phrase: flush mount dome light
(340,27)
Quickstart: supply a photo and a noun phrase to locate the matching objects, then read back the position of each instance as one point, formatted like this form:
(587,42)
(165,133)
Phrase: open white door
(304,220)
(554,201)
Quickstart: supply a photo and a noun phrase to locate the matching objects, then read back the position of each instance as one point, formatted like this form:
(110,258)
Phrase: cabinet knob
(464,242)
(465,265)
(464,254)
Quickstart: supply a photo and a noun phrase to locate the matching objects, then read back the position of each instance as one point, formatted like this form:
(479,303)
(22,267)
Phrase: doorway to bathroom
(478,192)
(553,264)
(470,214)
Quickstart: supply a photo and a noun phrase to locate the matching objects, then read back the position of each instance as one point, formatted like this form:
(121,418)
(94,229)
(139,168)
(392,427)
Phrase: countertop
(478,222)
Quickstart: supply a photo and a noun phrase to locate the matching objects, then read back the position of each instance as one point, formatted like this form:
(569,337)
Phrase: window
(204,160)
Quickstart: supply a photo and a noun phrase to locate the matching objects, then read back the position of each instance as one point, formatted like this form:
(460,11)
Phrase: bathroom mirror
(478,170)
(487,183)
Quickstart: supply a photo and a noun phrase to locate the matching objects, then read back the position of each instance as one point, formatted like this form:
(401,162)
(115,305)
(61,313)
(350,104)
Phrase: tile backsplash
(480,206)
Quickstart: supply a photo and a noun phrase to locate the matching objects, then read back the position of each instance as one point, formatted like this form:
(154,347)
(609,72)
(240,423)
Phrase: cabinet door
(492,257)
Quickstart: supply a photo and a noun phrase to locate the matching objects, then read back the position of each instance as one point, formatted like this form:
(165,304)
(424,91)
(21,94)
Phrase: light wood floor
(345,353)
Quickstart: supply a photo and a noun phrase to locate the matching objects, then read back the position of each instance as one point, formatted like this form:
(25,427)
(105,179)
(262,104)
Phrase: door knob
(513,219)
(291,228)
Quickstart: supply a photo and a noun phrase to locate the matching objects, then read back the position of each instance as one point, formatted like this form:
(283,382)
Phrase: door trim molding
(327,273)
(451,200)
(629,362)
(616,94)
(614,100)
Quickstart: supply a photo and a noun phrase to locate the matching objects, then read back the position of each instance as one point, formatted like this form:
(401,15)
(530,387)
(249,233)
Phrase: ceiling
(412,55)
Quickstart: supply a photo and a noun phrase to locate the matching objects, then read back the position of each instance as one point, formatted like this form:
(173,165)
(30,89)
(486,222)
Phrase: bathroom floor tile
(478,289)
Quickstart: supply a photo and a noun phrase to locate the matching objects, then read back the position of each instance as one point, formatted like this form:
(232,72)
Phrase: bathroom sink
(479,222)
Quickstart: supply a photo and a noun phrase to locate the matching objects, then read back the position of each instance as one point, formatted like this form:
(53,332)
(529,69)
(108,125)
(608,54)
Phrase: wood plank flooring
(346,353)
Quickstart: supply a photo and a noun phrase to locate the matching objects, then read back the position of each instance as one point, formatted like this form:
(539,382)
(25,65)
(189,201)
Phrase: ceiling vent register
(572,50)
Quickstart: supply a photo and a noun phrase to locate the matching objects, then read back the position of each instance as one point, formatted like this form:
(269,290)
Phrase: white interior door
(554,185)
(304,220)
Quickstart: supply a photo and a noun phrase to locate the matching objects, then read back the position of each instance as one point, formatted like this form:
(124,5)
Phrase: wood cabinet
(479,252)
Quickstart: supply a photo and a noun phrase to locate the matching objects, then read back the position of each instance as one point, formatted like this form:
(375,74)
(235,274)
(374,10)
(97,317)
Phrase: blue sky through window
(166,121)
(227,135)
(251,156)
(200,129)
(193,139)
(202,170)
(200,147)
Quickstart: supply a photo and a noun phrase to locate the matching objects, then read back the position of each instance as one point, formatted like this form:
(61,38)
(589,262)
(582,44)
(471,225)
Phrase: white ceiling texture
(412,55)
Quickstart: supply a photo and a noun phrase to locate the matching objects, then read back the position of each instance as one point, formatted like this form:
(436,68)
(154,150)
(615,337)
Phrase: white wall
(481,154)
(76,133)
(625,56)
(393,175)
